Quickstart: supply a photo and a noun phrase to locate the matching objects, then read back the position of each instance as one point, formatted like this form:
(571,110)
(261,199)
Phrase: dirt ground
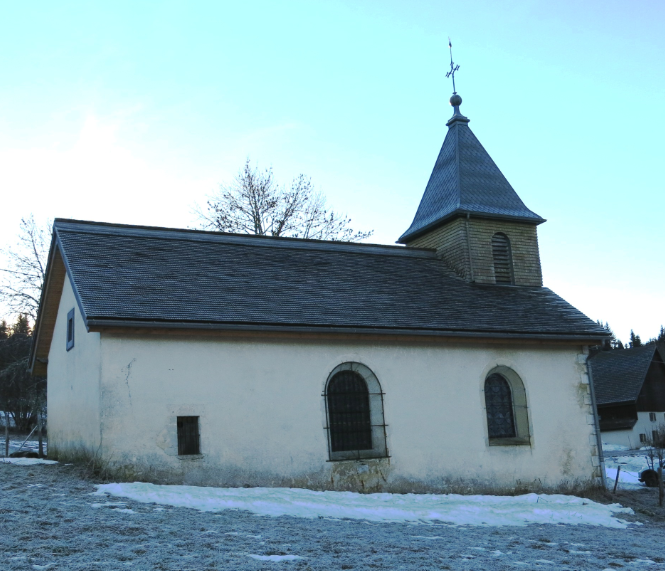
(49,520)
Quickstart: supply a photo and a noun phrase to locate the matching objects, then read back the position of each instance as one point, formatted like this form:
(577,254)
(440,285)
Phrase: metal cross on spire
(453,67)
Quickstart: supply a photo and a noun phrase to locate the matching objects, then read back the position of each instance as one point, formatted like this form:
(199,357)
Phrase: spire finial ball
(455,100)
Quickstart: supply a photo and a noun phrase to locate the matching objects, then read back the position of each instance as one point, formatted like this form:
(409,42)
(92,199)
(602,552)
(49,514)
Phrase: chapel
(439,364)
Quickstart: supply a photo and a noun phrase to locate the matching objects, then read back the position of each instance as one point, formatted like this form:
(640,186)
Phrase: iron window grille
(499,404)
(70,329)
(506,408)
(354,414)
(503,259)
(188,435)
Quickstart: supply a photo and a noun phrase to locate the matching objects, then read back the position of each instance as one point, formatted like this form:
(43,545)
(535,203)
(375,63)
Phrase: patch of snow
(275,557)
(27,461)
(631,466)
(115,506)
(580,552)
(412,508)
(614,447)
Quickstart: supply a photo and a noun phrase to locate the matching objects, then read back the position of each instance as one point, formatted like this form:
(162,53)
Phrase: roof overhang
(56,270)
(101,324)
(461,213)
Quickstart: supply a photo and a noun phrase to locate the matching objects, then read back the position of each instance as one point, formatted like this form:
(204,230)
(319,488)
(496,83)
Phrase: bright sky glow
(133,112)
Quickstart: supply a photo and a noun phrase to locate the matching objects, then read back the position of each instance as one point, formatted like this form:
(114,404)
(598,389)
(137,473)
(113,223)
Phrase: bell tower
(472,216)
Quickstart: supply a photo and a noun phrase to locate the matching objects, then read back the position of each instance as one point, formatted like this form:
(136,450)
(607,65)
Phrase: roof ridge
(189,234)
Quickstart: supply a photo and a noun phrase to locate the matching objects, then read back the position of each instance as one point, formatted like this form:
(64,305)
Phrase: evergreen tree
(635,340)
(612,342)
(21,395)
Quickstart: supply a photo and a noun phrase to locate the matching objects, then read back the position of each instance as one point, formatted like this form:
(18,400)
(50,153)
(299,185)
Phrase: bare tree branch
(22,279)
(255,204)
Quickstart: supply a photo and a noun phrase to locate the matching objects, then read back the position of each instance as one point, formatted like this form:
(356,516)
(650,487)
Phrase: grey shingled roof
(136,274)
(464,180)
(618,375)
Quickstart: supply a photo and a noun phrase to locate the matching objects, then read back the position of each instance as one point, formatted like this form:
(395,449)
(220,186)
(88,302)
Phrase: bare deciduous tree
(255,204)
(24,269)
(655,457)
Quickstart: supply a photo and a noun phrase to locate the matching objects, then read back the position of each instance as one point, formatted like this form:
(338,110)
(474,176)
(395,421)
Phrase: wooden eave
(294,333)
(48,312)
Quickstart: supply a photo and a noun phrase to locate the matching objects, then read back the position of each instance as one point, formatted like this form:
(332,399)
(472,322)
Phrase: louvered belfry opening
(499,405)
(188,435)
(503,259)
(349,412)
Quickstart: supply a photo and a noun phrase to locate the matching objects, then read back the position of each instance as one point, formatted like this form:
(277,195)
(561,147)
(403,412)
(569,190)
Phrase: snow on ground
(631,466)
(26,461)
(614,447)
(15,444)
(413,508)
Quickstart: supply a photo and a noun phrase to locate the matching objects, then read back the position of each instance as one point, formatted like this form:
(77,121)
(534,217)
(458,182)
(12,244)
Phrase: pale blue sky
(134,111)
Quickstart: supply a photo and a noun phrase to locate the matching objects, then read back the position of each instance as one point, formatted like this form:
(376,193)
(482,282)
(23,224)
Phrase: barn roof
(142,276)
(618,375)
(465,180)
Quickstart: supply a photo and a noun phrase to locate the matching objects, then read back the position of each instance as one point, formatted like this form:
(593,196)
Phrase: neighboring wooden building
(630,394)
(210,358)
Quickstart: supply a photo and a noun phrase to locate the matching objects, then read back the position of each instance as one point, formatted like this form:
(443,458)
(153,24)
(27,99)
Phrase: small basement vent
(188,435)
(503,259)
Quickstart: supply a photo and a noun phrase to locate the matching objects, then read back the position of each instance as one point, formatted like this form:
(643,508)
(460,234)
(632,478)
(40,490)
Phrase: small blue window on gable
(70,329)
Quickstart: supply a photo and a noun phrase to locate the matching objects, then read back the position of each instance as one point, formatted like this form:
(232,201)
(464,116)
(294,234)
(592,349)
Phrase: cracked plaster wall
(262,414)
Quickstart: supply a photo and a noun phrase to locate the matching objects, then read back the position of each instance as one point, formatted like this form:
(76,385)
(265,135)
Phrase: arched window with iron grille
(506,408)
(499,403)
(503,259)
(354,407)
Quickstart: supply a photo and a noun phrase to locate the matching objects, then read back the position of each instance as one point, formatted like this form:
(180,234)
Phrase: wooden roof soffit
(48,312)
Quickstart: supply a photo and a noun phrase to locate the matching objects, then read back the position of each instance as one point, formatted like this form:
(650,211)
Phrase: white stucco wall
(631,438)
(73,383)
(262,413)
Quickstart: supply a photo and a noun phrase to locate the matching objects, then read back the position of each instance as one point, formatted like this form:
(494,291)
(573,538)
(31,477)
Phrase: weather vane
(453,67)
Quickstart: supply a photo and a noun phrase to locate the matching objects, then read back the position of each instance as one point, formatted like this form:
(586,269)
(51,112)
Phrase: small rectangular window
(70,329)
(188,435)
(654,436)
(652,416)
(643,437)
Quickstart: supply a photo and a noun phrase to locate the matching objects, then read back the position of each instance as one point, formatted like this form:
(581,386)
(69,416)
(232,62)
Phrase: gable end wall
(73,385)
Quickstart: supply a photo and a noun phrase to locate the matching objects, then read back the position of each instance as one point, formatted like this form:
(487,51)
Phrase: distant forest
(635,340)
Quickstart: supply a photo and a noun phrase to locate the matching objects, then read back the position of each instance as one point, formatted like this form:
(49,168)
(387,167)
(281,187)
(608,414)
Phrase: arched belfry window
(354,413)
(503,259)
(506,408)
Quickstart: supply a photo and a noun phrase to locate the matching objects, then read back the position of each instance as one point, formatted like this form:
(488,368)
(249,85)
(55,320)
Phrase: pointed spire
(465,181)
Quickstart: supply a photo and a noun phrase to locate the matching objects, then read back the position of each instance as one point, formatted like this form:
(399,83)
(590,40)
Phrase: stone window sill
(517,441)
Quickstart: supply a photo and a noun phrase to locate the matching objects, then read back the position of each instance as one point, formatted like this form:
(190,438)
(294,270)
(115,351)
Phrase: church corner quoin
(206,358)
